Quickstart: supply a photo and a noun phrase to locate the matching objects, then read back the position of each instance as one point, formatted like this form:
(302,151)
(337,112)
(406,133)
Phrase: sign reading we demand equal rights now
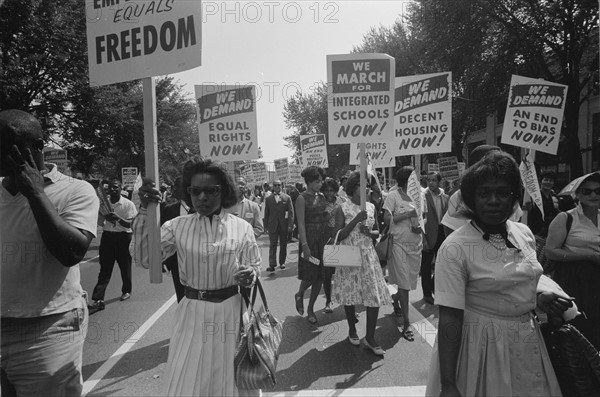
(534,114)
(134,40)
(423,114)
(360,93)
(227,122)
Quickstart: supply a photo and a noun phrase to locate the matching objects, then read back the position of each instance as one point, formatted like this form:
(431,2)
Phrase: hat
(572,186)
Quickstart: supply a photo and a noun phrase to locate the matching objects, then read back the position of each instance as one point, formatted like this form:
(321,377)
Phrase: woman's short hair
(494,165)
(198,165)
(352,183)
(312,173)
(330,183)
(403,174)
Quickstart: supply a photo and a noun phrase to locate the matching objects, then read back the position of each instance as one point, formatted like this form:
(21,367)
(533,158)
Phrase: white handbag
(341,255)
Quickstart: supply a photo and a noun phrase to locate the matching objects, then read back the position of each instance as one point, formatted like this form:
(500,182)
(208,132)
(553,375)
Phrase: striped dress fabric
(205,334)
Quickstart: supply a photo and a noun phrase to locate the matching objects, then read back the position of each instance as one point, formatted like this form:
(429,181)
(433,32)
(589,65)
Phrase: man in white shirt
(114,245)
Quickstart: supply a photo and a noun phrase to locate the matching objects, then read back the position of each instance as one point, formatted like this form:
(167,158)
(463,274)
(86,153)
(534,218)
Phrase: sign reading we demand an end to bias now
(423,114)
(534,114)
(360,103)
(130,40)
(314,150)
(227,122)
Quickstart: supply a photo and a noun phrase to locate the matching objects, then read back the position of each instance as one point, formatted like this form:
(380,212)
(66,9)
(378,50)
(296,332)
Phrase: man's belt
(217,295)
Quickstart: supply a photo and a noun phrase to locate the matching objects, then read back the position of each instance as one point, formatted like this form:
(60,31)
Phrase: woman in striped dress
(217,253)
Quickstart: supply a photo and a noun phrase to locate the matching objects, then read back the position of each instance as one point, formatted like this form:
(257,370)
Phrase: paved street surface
(127,343)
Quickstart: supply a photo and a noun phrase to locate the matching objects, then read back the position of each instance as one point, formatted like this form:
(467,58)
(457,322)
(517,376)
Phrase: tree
(44,70)
(307,114)
(484,42)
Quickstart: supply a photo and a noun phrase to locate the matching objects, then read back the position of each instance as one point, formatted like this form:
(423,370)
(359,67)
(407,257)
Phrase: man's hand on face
(28,177)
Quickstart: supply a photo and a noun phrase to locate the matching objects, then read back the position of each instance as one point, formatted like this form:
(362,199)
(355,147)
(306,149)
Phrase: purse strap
(251,300)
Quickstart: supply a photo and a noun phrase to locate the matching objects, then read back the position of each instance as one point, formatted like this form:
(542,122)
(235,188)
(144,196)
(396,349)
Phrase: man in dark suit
(182,206)
(279,221)
(437,205)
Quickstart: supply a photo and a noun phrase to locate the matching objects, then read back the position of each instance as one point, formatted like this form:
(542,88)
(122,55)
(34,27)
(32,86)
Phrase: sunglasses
(586,192)
(277,184)
(212,190)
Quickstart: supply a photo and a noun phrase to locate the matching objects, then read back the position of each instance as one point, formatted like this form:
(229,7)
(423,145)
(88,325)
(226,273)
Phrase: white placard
(534,114)
(138,39)
(227,122)
(360,94)
(314,150)
(423,114)
(380,154)
(129,176)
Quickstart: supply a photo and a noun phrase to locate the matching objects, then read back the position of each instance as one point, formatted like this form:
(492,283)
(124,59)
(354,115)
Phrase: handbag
(384,247)
(341,255)
(575,361)
(257,352)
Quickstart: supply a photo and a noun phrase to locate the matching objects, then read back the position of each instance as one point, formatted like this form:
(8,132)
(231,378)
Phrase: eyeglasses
(212,190)
(277,184)
(500,194)
(586,192)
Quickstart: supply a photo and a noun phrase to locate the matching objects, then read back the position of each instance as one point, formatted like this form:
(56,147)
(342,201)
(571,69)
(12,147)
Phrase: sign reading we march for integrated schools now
(423,114)
(134,40)
(380,154)
(314,150)
(360,93)
(227,122)
(534,114)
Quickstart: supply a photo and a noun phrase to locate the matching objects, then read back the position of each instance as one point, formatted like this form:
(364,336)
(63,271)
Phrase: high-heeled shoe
(354,341)
(377,350)
(397,308)
(312,318)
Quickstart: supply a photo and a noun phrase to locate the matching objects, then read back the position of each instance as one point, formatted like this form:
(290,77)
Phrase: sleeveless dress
(315,223)
(365,285)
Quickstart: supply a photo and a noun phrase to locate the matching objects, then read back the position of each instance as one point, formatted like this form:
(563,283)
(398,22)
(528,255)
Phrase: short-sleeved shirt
(33,282)
(470,273)
(125,209)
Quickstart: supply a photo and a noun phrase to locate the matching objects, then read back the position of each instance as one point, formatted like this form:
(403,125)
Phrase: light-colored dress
(205,334)
(364,285)
(502,352)
(405,263)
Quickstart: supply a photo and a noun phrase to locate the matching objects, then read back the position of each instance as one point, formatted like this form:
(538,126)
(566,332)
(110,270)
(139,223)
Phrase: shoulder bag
(384,247)
(256,355)
(341,255)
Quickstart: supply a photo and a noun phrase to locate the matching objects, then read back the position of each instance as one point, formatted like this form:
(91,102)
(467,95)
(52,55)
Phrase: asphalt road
(126,347)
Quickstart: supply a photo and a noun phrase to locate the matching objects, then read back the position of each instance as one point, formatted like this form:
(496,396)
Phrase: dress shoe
(282,267)
(376,350)
(97,305)
(429,300)
(270,269)
(125,296)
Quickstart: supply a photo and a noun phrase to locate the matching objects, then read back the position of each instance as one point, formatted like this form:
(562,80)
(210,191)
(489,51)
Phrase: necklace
(497,241)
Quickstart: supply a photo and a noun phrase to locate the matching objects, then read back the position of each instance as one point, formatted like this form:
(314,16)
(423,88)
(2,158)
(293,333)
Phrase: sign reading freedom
(134,40)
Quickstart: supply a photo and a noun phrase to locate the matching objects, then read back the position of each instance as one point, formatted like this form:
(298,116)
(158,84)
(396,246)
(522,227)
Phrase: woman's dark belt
(216,295)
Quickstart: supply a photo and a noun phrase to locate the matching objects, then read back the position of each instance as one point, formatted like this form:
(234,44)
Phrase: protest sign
(281,169)
(530,180)
(448,168)
(296,173)
(259,171)
(413,190)
(534,114)
(379,153)
(246,173)
(423,114)
(227,122)
(462,167)
(133,40)
(433,167)
(360,93)
(128,177)
(314,150)
(58,157)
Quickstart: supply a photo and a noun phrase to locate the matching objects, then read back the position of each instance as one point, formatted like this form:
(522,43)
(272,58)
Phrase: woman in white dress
(486,284)
(407,248)
(217,255)
(365,285)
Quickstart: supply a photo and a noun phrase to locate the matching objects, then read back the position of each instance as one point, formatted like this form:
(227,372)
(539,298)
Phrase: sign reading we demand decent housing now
(360,94)
(133,40)
(227,122)
(423,114)
(534,114)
